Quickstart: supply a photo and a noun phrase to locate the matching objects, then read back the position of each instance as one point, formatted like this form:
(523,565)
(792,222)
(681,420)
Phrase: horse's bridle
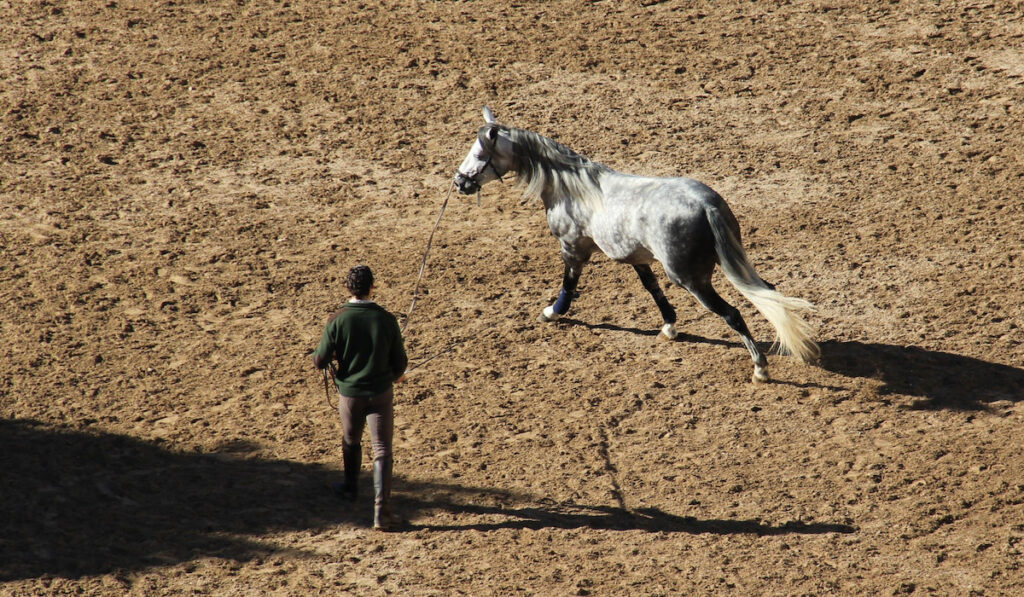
(461,179)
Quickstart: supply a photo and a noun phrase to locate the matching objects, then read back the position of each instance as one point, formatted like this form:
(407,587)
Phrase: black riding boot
(352,456)
(382,517)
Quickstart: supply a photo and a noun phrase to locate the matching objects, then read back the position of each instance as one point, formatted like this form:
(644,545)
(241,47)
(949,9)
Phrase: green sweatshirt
(366,342)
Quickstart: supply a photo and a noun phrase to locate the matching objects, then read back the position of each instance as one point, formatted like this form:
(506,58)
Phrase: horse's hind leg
(668,314)
(707,296)
(570,279)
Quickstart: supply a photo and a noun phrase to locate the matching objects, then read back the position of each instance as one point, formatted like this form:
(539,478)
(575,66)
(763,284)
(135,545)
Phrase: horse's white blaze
(475,166)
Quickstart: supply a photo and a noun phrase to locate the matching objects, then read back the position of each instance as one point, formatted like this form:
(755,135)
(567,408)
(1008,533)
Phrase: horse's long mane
(554,172)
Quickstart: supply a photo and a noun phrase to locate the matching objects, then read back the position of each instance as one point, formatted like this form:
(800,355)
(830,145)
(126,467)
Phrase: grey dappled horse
(636,220)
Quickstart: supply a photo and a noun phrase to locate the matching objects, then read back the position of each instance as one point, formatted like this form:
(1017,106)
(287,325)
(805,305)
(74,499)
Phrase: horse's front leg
(571,277)
(668,314)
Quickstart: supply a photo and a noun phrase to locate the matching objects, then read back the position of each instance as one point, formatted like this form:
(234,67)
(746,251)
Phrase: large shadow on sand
(551,515)
(938,380)
(76,503)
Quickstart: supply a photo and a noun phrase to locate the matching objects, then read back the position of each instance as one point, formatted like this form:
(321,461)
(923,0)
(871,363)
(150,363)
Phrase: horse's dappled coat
(680,222)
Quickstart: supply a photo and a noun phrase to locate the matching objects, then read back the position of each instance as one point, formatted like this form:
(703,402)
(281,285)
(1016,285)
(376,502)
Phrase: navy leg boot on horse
(383,519)
(570,279)
(560,308)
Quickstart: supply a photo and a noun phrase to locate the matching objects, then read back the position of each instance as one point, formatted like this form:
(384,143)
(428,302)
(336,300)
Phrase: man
(366,342)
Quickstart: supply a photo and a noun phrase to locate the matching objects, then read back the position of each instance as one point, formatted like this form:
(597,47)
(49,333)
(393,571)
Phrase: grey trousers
(378,414)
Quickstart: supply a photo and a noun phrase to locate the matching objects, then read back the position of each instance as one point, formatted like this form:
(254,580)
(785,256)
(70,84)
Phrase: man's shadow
(79,502)
(939,380)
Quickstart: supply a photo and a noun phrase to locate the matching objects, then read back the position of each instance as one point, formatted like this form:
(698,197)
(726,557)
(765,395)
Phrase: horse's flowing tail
(783,312)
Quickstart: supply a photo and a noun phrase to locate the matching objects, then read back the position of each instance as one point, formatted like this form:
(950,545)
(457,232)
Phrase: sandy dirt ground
(184,184)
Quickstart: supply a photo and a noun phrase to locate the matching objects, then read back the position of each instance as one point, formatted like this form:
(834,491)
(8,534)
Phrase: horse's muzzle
(465,184)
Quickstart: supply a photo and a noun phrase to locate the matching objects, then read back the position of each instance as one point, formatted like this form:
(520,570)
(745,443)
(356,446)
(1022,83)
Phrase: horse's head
(489,158)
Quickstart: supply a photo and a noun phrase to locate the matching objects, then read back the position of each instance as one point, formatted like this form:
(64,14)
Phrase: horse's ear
(489,116)
(488,135)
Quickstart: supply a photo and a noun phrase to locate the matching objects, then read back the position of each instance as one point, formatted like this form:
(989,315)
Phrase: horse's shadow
(682,337)
(550,515)
(76,503)
(937,380)
(606,326)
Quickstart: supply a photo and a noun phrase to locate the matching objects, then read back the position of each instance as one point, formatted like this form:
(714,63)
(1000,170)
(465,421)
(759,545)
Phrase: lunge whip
(423,264)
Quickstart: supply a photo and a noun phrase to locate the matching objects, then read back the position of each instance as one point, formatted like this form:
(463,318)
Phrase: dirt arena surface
(184,184)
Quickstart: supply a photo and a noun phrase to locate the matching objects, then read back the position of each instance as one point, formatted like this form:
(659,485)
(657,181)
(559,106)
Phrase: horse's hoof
(760,375)
(548,315)
(668,332)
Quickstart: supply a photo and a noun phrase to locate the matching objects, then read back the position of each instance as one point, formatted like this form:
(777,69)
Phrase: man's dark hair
(359,280)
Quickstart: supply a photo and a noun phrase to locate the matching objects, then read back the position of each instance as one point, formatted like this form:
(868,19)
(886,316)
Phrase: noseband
(487,164)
